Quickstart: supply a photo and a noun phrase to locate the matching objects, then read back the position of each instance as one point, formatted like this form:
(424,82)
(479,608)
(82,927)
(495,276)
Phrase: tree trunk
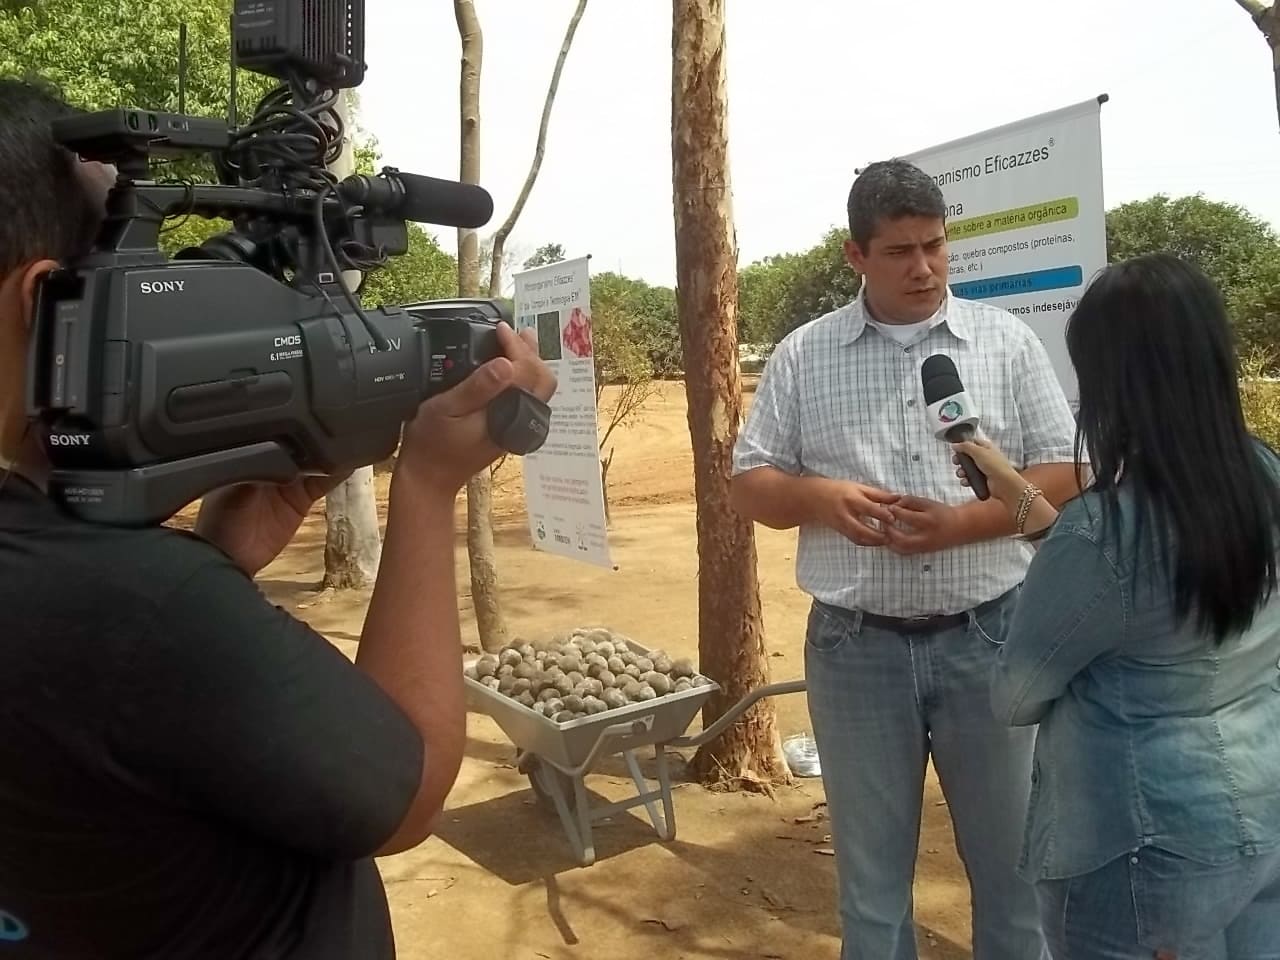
(730,625)
(1267,20)
(605,463)
(490,624)
(352,547)
(353,544)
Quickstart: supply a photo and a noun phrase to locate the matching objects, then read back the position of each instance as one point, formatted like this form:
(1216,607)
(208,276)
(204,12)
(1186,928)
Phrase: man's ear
(854,255)
(29,279)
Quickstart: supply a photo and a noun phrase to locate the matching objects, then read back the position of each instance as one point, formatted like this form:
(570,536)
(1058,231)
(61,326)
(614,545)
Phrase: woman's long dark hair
(1160,415)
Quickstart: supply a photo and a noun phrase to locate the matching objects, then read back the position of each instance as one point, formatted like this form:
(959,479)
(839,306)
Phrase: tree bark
(730,624)
(353,544)
(490,624)
(1267,20)
(539,151)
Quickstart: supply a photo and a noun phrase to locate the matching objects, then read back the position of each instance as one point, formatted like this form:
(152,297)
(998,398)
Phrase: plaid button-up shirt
(840,399)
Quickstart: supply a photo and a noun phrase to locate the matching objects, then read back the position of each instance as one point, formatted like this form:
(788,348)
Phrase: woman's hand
(1003,479)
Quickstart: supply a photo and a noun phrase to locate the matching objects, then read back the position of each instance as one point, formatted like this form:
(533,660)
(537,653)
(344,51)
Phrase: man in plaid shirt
(913,579)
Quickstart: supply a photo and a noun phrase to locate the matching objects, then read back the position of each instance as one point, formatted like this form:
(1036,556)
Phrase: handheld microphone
(412,196)
(952,415)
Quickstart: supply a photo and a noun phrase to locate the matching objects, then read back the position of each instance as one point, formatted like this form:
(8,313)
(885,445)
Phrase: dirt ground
(747,876)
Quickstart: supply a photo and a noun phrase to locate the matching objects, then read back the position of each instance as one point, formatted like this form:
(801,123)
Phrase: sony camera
(154,380)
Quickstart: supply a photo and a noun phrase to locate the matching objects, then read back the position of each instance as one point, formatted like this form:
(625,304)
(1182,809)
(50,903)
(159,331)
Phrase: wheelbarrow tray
(570,745)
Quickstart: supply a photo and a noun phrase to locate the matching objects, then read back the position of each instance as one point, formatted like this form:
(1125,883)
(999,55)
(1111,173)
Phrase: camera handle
(518,421)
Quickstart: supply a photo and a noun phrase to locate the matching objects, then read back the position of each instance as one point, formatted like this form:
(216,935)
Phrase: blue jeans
(1152,900)
(881,703)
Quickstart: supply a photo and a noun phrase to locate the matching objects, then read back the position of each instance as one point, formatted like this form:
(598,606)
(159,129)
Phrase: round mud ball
(576,677)
(486,666)
(510,658)
(490,682)
(683,668)
(616,664)
(547,694)
(660,682)
(606,678)
(633,671)
(621,646)
(565,716)
(506,670)
(526,671)
(525,686)
(605,648)
(599,635)
(544,708)
(564,686)
(614,699)
(554,706)
(570,662)
(587,646)
(526,698)
(683,684)
(594,705)
(526,651)
(646,692)
(591,687)
(554,673)
(470,673)
(506,685)
(701,682)
(645,664)
(632,691)
(573,703)
(629,658)
(662,664)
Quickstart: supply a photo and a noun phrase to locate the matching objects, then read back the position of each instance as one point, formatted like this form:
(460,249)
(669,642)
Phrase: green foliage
(779,293)
(546,254)
(1239,252)
(426,272)
(650,314)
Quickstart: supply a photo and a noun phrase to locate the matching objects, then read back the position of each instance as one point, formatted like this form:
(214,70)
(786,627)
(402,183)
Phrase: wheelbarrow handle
(738,709)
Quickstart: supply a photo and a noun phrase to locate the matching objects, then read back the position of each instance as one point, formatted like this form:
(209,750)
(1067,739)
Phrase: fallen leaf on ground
(825,851)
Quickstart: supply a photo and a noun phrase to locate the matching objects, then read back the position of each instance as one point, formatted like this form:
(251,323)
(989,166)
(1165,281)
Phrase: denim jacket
(1150,735)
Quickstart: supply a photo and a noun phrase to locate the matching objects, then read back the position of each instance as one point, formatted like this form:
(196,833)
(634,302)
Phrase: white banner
(562,484)
(1026,226)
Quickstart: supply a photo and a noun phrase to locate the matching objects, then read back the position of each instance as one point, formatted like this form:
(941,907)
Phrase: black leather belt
(926,624)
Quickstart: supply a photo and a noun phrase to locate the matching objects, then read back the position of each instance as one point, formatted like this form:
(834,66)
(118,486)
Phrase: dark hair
(888,190)
(45,208)
(1160,415)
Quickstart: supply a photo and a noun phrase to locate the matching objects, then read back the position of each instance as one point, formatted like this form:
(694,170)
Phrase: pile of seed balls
(588,672)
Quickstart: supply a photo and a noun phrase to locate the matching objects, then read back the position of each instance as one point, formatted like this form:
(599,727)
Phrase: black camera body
(154,380)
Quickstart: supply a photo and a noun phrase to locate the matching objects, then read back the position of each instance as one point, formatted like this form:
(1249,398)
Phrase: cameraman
(187,771)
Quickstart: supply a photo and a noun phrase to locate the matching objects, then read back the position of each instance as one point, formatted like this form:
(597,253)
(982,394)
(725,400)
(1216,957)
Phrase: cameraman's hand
(448,442)
(252,522)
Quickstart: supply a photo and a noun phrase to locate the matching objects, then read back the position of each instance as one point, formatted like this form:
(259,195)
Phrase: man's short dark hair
(45,208)
(888,190)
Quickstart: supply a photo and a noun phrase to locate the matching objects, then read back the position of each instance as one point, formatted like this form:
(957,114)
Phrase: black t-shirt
(186,771)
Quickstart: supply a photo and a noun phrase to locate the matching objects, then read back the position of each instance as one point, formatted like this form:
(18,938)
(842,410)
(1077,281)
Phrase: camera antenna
(182,67)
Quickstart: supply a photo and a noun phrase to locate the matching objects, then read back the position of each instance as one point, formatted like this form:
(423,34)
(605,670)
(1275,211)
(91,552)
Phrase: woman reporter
(1146,640)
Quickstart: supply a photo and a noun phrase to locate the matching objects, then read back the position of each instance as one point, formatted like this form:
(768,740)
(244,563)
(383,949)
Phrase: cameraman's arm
(411,643)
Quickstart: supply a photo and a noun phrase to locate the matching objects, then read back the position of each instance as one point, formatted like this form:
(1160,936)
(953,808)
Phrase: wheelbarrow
(556,757)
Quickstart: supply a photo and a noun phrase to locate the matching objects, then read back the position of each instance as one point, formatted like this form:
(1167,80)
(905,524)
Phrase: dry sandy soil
(747,876)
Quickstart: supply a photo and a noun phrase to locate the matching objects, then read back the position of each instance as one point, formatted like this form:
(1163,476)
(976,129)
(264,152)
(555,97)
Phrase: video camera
(153,381)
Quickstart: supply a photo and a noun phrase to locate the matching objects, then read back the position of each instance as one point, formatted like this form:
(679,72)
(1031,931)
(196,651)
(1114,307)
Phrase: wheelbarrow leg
(585,845)
(664,826)
(574,812)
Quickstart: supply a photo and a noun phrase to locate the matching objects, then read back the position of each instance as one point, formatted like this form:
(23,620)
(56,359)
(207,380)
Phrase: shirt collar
(954,317)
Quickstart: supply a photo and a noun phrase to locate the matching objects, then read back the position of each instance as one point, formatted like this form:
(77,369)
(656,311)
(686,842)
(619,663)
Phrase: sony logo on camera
(70,439)
(162,286)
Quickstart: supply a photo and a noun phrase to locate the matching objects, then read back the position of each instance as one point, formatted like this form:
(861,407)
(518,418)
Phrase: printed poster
(1026,225)
(562,482)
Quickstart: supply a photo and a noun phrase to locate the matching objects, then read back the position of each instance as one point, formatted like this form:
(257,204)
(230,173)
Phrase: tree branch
(540,149)
(1254,8)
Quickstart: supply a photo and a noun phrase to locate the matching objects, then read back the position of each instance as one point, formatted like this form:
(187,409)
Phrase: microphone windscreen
(939,378)
(445,203)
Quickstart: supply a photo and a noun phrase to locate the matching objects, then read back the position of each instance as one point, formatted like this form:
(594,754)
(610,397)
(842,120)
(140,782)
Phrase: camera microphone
(412,196)
(952,415)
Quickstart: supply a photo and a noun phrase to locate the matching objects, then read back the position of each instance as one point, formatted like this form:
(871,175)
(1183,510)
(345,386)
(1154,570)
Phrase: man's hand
(448,442)
(929,526)
(846,508)
(252,522)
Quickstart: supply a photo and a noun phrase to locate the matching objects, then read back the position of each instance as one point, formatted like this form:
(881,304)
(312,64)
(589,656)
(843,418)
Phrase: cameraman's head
(50,207)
